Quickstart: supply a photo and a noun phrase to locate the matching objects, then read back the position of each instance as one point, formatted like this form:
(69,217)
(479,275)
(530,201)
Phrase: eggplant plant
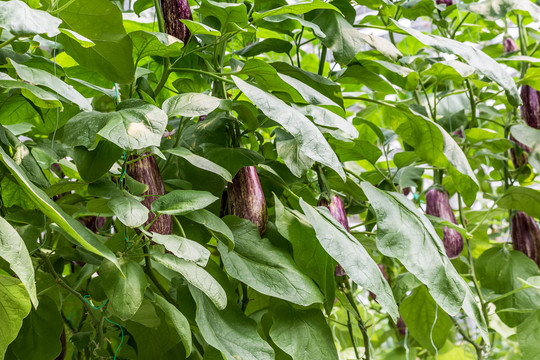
(269,179)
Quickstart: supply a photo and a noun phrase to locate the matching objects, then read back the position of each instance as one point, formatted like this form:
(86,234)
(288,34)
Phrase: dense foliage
(264,179)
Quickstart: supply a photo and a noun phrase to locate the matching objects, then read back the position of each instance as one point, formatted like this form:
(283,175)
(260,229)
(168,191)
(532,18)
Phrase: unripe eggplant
(526,235)
(173,12)
(146,171)
(447,2)
(438,204)
(401,327)
(530,110)
(337,210)
(246,198)
(509,45)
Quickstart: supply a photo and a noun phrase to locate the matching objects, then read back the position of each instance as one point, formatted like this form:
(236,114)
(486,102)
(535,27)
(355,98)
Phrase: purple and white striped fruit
(530,110)
(509,45)
(146,171)
(438,204)
(246,198)
(526,235)
(173,12)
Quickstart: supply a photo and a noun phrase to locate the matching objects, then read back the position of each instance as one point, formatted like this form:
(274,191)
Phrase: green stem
(326,192)
(215,76)
(9,41)
(467,338)
(472,101)
(65,6)
(164,76)
(159,15)
(322,60)
(359,319)
(150,272)
(522,45)
(459,25)
(351,334)
(500,297)
(180,227)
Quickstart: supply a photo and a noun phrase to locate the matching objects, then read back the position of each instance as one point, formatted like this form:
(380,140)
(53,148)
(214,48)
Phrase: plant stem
(9,41)
(326,192)
(150,272)
(467,338)
(348,294)
(322,60)
(351,334)
(159,15)
(215,76)
(522,45)
(472,101)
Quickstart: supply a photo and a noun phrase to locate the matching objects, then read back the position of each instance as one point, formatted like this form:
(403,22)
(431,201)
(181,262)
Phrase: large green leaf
(401,232)
(136,125)
(352,256)
(178,320)
(201,162)
(498,9)
(312,143)
(484,64)
(289,151)
(529,337)
(264,46)
(23,21)
(213,223)
(154,44)
(128,210)
(231,159)
(42,77)
(15,306)
(14,251)
(37,95)
(39,337)
(499,270)
(124,291)
(101,22)
(307,251)
(522,199)
(531,137)
(438,148)
(179,202)
(254,261)
(183,248)
(230,331)
(190,105)
(303,334)
(419,311)
(76,231)
(195,275)
(299,8)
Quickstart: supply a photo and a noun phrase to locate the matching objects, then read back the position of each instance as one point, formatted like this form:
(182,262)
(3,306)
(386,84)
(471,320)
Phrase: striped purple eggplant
(526,235)
(518,153)
(337,210)
(509,45)
(530,110)
(401,327)
(173,12)
(146,171)
(438,204)
(246,198)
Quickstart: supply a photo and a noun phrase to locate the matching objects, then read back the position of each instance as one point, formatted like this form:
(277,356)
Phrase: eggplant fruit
(438,204)
(173,12)
(526,235)
(146,171)
(509,45)
(530,110)
(246,198)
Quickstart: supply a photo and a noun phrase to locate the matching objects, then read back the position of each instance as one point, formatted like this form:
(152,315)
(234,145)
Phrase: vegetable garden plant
(269,179)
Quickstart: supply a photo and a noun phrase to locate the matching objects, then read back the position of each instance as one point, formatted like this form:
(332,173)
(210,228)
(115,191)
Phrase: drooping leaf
(21,20)
(37,95)
(312,143)
(303,334)
(529,337)
(179,202)
(498,9)
(264,46)
(230,330)
(231,16)
(231,159)
(183,248)
(15,302)
(212,223)
(352,256)
(296,9)
(255,260)
(201,162)
(178,321)
(190,105)
(128,210)
(521,199)
(154,44)
(14,251)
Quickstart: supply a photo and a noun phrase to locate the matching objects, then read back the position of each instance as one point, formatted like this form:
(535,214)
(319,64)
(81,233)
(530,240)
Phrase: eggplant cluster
(438,204)
(526,235)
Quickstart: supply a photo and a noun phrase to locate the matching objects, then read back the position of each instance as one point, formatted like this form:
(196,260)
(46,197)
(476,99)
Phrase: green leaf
(83,41)
(484,64)
(312,143)
(179,202)
(190,105)
(307,251)
(128,210)
(212,223)
(231,159)
(178,322)
(521,199)
(426,322)
(295,9)
(444,283)
(230,331)
(136,125)
(231,16)
(41,77)
(201,162)
(289,151)
(498,9)
(92,165)
(23,21)
(350,41)
(183,248)
(100,21)
(528,336)
(531,137)
(195,275)
(124,291)
(197,28)
(303,334)
(14,251)
(15,303)
(39,337)
(352,256)
(254,261)
(154,44)
(498,270)
(276,45)
(37,95)
(76,231)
